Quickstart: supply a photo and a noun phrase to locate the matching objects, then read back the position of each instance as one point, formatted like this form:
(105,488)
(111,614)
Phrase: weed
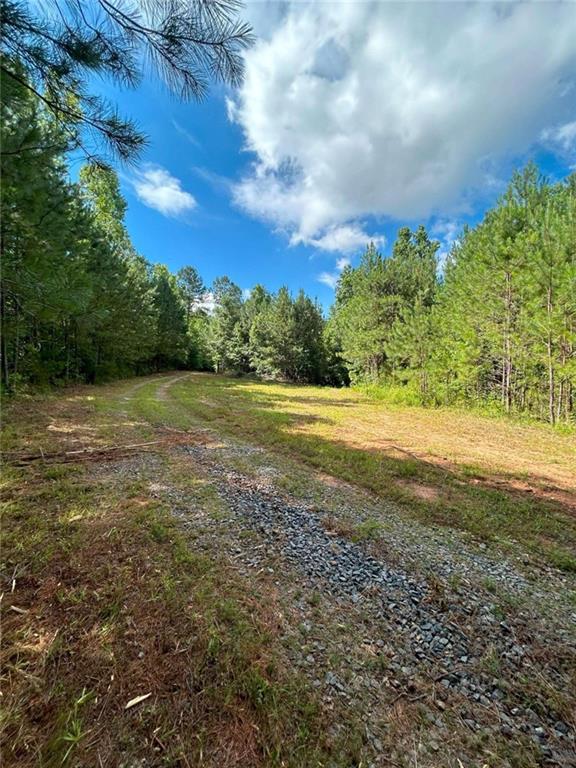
(490,661)
(314,599)
(64,744)
(368,530)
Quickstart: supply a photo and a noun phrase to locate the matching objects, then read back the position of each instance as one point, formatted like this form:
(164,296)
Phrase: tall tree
(187,44)
(191,288)
(372,298)
(171,323)
(225,334)
(310,352)
(125,289)
(273,338)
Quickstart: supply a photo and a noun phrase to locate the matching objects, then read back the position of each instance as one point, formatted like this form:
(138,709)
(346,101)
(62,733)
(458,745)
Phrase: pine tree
(186,44)
(310,353)
(224,328)
(411,346)
(191,289)
(171,322)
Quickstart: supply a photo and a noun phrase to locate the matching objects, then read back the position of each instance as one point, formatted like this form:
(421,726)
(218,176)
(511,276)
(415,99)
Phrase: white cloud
(562,136)
(328,278)
(331,278)
(342,263)
(446,231)
(390,109)
(158,189)
(187,135)
(340,239)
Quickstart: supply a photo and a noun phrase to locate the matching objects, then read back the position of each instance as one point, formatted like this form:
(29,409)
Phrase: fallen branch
(406,695)
(83,454)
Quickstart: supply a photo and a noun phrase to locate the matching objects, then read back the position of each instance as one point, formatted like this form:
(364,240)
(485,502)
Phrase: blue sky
(355,118)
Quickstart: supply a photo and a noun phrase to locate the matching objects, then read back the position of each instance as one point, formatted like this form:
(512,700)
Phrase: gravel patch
(459,644)
(454,644)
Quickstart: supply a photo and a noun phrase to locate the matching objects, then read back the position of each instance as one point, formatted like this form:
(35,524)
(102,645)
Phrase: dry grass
(113,602)
(499,479)
(105,600)
(498,447)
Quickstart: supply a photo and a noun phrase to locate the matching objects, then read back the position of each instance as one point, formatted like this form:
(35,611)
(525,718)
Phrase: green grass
(106,573)
(346,434)
(102,570)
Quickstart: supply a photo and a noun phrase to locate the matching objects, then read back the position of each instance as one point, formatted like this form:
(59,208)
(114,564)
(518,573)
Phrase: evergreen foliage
(52,49)
(496,325)
(499,326)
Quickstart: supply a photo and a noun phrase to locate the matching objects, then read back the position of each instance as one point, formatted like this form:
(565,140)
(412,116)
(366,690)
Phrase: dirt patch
(331,481)
(422,491)
(566,498)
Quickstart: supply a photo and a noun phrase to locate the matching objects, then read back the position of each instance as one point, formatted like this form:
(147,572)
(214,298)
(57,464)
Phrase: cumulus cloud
(331,278)
(341,239)
(391,109)
(158,189)
(561,136)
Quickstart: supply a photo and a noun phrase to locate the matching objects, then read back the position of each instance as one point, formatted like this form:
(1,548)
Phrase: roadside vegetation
(509,483)
(120,640)
(108,600)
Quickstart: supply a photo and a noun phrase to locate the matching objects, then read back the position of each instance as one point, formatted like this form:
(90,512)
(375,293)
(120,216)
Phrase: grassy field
(497,479)
(104,601)
(105,598)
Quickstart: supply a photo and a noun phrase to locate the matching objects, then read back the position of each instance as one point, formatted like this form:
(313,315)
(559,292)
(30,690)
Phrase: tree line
(80,304)
(272,335)
(497,325)
(494,324)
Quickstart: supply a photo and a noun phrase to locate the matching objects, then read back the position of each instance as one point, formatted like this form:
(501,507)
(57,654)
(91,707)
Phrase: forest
(493,324)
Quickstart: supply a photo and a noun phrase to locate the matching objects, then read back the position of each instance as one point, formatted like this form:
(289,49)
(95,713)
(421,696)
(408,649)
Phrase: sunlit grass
(494,478)
(102,569)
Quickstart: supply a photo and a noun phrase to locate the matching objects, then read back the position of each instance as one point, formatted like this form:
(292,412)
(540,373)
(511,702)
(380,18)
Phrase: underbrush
(410,396)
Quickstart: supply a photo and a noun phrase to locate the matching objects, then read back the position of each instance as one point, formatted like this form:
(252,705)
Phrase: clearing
(249,574)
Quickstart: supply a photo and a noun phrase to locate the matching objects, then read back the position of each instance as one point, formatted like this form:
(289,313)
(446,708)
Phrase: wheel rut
(454,653)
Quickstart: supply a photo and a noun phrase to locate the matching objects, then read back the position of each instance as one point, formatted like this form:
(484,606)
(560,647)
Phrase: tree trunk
(3,345)
(560,400)
(551,378)
(507,366)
